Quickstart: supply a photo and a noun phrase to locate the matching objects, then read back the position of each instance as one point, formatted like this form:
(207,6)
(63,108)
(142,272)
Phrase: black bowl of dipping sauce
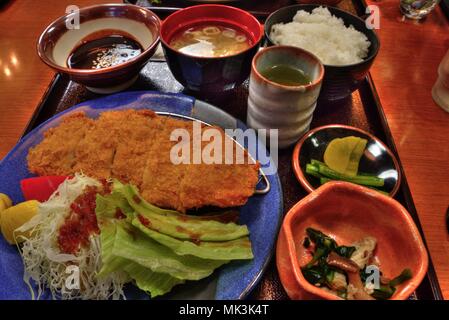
(210,74)
(339,80)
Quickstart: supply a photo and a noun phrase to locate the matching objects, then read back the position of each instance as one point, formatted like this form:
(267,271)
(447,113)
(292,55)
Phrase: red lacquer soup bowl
(210,74)
(347,213)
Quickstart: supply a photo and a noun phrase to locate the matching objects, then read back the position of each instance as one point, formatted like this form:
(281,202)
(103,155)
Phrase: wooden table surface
(404,73)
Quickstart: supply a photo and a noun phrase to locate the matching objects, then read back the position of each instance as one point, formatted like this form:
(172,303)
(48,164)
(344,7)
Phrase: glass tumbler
(417,9)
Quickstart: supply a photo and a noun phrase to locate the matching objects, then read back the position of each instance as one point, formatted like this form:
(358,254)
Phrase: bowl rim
(303,5)
(255,44)
(311,85)
(72,71)
(401,213)
(297,151)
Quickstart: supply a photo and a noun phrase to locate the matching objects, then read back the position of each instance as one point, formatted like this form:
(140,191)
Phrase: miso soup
(210,40)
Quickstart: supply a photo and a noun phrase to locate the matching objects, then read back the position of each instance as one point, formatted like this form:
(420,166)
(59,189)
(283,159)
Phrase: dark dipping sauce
(104,52)
(286,75)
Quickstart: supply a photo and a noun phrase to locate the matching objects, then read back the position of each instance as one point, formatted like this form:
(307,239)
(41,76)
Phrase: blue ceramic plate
(262,214)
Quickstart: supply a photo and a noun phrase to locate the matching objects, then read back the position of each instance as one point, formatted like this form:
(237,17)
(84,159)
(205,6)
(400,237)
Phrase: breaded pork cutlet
(217,184)
(137,135)
(162,179)
(95,153)
(135,147)
(117,145)
(55,155)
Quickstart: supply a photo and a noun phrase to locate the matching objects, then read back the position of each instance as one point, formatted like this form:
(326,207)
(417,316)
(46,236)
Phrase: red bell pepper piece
(40,188)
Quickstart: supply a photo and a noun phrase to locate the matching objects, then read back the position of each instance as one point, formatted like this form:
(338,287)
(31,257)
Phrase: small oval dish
(347,213)
(377,160)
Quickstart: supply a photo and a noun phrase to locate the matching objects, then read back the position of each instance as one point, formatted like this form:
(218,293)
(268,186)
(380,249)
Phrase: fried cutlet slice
(136,138)
(95,153)
(136,147)
(55,155)
(162,178)
(219,184)
(193,185)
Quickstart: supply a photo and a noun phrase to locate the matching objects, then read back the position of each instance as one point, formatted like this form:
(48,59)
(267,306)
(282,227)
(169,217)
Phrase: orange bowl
(347,213)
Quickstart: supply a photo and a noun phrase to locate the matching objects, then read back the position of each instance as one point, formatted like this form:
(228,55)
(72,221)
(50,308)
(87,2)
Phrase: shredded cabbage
(49,268)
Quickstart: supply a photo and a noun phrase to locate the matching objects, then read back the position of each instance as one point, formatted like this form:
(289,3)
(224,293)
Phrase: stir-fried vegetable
(342,269)
(387,289)
(318,270)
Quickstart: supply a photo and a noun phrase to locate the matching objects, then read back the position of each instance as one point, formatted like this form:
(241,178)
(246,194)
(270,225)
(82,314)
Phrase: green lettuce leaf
(154,283)
(228,250)
(178,225)
(159,248)
(108,206)
(132,244)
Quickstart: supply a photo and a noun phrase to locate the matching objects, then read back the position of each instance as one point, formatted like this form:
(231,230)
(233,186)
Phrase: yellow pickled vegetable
(14,217)
(343,154)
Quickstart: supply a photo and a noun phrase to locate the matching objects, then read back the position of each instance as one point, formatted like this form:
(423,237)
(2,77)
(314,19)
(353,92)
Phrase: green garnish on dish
(341,162)
(347,271)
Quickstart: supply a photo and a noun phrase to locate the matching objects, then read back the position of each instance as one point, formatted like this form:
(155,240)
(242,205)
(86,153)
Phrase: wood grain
(23,77)
(404,73)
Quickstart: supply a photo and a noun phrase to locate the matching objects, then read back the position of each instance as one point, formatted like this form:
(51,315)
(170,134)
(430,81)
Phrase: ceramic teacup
(288,108)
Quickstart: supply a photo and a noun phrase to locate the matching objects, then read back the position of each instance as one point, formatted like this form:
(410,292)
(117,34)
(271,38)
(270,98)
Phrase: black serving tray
(444,4)
(259,8)
(362,109)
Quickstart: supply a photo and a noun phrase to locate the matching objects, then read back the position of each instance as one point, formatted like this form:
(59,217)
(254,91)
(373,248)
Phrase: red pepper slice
(40,188)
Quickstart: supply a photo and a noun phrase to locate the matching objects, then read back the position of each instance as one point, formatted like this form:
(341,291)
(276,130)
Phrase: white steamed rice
(324,35)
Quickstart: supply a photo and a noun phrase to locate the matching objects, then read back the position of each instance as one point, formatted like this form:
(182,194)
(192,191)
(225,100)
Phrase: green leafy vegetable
(405,275)
(321,240)
(108,206)
(358,179)
(387,290)
(110,262)
(179,225)
(133,245)
(156,284)
(158,248)
(384,292)
(321,171)
(228,250)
